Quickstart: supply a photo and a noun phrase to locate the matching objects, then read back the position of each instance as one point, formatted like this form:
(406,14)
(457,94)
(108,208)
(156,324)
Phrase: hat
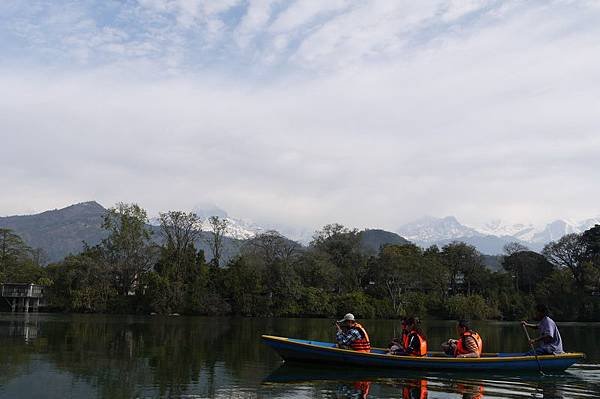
(348,316)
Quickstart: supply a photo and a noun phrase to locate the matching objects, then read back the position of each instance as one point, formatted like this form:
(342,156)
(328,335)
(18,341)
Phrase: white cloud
(404,111)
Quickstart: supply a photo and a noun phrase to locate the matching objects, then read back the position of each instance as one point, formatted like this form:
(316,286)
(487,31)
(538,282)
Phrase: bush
(470,307)
(358,303)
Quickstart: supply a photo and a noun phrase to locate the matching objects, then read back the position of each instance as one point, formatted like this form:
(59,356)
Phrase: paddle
(533,349)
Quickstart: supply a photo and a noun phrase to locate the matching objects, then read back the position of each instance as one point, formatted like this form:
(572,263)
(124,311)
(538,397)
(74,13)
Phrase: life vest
(461,347)
(405,339)
(364,387)
(422,351)
(362,344)
(419,387)
(474,391)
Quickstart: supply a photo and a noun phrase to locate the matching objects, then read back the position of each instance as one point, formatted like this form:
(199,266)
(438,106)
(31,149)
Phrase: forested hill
(372,239)
(61,232)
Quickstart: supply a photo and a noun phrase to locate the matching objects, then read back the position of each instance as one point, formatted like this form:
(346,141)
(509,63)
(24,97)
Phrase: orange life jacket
(422,345)
(405,339)
(364,387)
(474,392)
(420,387)
(362,344)
(461,347)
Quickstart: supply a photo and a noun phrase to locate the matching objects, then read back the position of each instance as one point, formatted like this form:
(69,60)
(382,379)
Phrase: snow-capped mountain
(430,229)
(491,237)
(501,228)
(241,229)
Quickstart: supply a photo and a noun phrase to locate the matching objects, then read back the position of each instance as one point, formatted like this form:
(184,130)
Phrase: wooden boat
(327,353)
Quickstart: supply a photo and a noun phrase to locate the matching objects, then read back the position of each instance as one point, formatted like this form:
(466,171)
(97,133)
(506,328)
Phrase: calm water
(58,356)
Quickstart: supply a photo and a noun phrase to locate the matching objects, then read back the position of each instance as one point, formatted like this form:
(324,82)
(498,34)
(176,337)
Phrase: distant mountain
(61,232)
(431,230)
(491,237)
(372,239)
(501,228)
(240,229)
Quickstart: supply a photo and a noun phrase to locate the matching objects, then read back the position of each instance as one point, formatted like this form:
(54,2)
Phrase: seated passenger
(416,341)
(402,342)
(353,336)
(550,342)
(469,343)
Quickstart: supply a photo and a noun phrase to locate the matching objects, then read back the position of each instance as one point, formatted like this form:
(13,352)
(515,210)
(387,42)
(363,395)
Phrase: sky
(302,113)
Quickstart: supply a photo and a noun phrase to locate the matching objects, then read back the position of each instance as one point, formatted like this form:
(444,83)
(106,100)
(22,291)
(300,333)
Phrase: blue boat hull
(326,353)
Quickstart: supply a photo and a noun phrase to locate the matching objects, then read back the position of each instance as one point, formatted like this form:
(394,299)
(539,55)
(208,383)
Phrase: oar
(533,349)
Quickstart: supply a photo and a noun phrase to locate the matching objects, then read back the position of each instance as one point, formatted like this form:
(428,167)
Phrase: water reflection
(74,356)
(25,327)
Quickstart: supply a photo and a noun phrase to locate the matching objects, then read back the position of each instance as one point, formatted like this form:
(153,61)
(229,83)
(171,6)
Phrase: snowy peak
(559,228)
(430,229)
(501,228)
(236,228)
(588,223)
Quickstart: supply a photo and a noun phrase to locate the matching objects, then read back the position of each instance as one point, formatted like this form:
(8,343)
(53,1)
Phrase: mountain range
(65,231)
(491,237)
(60,232)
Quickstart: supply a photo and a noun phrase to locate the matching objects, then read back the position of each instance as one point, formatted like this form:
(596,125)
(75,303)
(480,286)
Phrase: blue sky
(368,113)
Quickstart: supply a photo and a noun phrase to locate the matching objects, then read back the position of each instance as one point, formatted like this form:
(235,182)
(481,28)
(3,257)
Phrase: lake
(97,356)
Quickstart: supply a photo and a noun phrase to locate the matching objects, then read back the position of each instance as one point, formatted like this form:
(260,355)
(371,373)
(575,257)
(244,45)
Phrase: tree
(568,252)
(17,263)
(514,247)
(528,268)
(342,246)
(12,249)
(127,251)
(218,229)
(465,265)
(591,241)
(398,272)
(180,230)
(271,246)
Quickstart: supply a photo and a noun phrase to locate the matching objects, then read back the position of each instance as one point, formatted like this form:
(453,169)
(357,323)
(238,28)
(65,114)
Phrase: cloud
(304,113)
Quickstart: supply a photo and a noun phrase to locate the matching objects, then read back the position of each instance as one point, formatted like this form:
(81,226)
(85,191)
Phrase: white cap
(348,316)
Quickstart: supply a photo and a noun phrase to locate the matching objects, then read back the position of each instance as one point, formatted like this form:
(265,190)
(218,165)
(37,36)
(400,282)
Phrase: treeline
(128,272)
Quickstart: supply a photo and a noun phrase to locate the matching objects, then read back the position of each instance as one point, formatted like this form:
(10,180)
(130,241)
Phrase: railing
(22,291)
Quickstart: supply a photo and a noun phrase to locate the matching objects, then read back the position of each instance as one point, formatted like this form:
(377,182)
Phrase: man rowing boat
(550,342)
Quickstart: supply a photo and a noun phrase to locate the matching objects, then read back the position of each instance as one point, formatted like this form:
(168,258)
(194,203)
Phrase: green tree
(528,268)
(465,266)
(342,246)
(218,229)
(396,273)
(569,252)
(127,251)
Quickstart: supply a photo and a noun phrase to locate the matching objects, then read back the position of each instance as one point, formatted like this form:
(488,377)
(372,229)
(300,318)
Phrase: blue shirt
(548,327)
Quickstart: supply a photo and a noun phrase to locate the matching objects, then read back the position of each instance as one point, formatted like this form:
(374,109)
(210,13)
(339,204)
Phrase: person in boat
(549,342)
(352,335)
(416,343)
(469,343)
(402,342)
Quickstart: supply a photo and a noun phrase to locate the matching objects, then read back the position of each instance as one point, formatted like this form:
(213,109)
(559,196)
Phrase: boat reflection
(359,383)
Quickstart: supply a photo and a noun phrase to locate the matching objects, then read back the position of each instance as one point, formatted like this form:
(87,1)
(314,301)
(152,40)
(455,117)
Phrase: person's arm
(348,338)
(534,326)
(545,338)
(546,332)
(413,345)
